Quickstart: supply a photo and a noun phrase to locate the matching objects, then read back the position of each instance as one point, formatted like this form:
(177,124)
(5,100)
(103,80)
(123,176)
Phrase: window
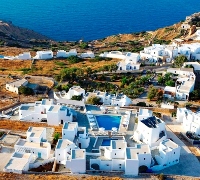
(115,154)
(120,167)
(137,152)
(59,154)
(174,152)
(144,158)
(120,164)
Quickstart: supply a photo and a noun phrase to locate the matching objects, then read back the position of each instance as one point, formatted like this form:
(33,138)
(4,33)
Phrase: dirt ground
(23,126)
(43,168)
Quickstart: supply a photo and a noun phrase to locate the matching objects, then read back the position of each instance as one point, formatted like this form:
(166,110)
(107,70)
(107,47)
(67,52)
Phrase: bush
(74,59)
(141,104)
(77,98)
(94,100)
(25,90)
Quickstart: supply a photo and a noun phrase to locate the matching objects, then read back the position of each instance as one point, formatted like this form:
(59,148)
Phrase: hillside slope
(16,36)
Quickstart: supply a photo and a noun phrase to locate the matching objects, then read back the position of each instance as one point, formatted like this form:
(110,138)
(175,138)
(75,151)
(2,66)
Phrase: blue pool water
(108,122)
(1,56)
(106,142)
(89,20)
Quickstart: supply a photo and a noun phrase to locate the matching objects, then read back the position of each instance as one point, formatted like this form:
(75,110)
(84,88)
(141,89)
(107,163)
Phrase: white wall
(76,165)
(131,167)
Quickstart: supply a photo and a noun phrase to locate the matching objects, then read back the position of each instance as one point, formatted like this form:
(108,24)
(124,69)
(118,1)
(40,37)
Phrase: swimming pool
(106,142)
(108,122)
(1,56)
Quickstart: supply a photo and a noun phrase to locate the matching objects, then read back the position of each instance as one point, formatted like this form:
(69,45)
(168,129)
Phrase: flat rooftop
(70,125)
(132,152)
(144,111)
(63,143)
(18,83)
(78,154)
(25,143)
(16,164)
(36,131)
(24,156)
(118,144)
(169,144)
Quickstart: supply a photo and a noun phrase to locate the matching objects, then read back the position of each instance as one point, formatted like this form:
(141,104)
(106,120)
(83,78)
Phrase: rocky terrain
(12,35)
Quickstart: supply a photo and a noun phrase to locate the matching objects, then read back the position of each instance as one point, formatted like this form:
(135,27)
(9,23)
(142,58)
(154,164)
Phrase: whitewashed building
(76,162)
(168,154)
(158,52)
(43,55)
(130,62)
(75,91)
(40,150)
(185,82)
(36,134)
(69,130)
(118,157)
(63,150)
(144,113)
(150,131)
(190,120)
(19,162)
(64,54)
(109,99)
(24,56)
(14,86)
(114,54)
(45,110)
(169,92)
(88,54)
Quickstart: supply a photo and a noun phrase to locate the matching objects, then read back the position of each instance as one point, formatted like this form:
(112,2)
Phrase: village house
(190,120)
(109,99)
(14,86)
(130,62)
(19,162)
(43,55)
(150,131)
(185,82)
(64,54)
(76,162)
(159,53)
(45,110)
(167,154)
(144,113)
(24,56)
(88,54)
(63,150)
(118,157)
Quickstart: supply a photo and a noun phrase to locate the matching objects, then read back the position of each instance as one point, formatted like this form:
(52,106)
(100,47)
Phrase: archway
(143,169)
(95,166)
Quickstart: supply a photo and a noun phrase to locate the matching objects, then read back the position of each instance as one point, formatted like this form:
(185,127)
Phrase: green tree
(93,100)
(25,90)
(160,79)
(152,92)
(179,60)
(83,45)
(170,83)
(78,98)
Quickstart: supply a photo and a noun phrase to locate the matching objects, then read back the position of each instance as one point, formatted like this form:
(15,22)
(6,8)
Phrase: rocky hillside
(12,35)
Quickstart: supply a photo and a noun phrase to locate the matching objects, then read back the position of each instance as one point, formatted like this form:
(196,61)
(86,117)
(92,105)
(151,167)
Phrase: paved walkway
(188,165)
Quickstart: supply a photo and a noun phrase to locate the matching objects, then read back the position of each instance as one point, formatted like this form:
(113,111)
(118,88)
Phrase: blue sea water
(94,19)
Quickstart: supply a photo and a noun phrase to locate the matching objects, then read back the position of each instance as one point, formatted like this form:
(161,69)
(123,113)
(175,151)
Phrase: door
(39,155)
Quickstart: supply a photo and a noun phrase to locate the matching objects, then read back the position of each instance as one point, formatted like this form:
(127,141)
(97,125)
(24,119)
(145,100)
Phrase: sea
(72,20)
